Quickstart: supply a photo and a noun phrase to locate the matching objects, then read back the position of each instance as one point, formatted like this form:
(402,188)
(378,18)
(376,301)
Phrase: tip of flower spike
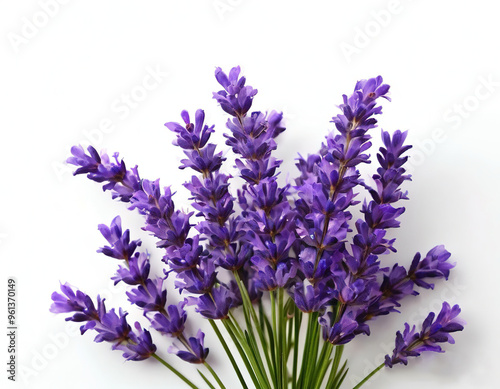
(435,329)
(185,117)
(372,89)
(221,77)
(236,98)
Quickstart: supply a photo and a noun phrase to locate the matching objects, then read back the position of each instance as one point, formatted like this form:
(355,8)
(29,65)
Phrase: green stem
(229,354)
(276,361)
(306,354)
(336,374)
(214,374)
(249,351)
(249,309)
(281,339)
(289,338)
(207,381)
(270,346)
(312,359)
(174,370)
(233,333)
(324,362)
(369,376)
(339,350)
(297,323)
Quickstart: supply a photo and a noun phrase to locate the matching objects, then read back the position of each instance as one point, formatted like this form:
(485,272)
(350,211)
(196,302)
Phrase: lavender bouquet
(279,269)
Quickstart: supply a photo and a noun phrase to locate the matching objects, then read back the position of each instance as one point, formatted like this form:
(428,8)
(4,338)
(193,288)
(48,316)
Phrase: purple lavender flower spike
(78,302)
(191,136)
(276,251)
(137,271)
(381,216)
(207,163)
(141,345)
(335,168)
(351,290)
(434,265)
(372,240)
(170,226)
(236,98)
(311,231)
(110,326)
(252,137)
(311,298)
(172,232)
(171,324)
(397,285)
(390,175)
(215,305)
(267,215)
(214,203)
(122,182)
(306,168)
(113,328)
(151,297)
(89,163)
(411,343)
(144,195)
(152,203)
(198,280)
(121,246)
(211,198)
(399,282)
(361,105)
(269,278)
(196,353)
(339,332)
(186,257)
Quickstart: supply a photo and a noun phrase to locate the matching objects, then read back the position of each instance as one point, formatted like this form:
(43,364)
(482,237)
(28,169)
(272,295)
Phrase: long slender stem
(297,323)
(248,350)
(270,347)
(313,355)
(335,374)
(251,315)
(277,362)
(174,370)
(281,339)
(214,374)
(306,354)
(324,362)
(339,378)
(369,376)
(207,381)
(289,325)
(236,337)
(229,354)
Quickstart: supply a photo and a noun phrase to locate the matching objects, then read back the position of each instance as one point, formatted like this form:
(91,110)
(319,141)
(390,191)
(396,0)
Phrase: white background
(65,71)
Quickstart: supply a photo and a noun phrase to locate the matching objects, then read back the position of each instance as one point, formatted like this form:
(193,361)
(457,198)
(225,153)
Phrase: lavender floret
(197,352)
(121,246)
